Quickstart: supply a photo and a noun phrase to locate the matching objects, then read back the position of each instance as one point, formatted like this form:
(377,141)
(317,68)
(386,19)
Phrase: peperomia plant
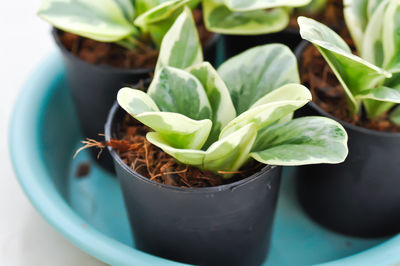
(371,79)
(231,16)
(218,120)
(112,20)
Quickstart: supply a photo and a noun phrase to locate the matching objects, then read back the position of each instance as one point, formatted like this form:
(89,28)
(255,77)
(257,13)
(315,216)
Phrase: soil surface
(150,161)
(145,56)
(329,94)
(331,15)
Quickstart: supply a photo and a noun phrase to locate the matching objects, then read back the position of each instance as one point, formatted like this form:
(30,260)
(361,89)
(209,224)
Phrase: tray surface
(90,212)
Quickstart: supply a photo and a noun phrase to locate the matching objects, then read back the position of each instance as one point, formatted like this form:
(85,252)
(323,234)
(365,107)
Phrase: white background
(25,238)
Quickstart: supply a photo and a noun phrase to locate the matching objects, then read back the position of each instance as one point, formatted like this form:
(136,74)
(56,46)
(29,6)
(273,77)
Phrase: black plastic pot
(225,225)
(361,196)
(235,44)
(94,89)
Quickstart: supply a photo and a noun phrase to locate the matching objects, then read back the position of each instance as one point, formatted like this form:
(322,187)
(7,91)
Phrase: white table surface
(25,237)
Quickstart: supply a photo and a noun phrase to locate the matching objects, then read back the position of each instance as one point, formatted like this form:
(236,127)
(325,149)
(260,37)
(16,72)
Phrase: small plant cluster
(370,79)
(125,22)
(218,120)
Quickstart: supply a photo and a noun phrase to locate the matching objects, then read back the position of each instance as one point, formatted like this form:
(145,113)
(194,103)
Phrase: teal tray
(90,212)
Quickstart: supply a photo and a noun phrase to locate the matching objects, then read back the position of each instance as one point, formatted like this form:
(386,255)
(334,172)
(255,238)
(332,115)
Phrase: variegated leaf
(186,156)
(218,95)
(256,72)
(162,10)
(219,18)
(372,49)
(175,90)
(177,129)
(355,74)
(248,5)
(356,17)
(382,94)
(287,92)
(307,140)
(231,152)
(227,154)
(181,46)
(264,115)
(101,20)
(395,116)
(391,36)
(313,7)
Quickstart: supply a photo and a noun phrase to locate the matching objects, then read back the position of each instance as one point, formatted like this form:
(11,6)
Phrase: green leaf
(186,156)
(307,140)
(143,6)
(314,7)
(395,116)
(227,154)
(264,115)
(181,46)
(162,10)
(356,17)
(101,20)
(372,49)
(354,73)
(136,101)
(287,92)
(179,130)
(258,71)
(385,94)
(380,100)
(248,5)
(175,90)
(231,152)
(219,18)
(218,95)
(391,36)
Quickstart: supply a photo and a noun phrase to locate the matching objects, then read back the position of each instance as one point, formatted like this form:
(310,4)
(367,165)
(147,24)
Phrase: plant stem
(129,42)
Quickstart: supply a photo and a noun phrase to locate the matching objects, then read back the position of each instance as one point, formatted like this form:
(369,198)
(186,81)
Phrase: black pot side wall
(94,89)
(235,44)
(361,196)
(225,225)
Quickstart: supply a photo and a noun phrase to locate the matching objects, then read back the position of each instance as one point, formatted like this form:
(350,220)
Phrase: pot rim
(299,52)
(104,67)
(117,158)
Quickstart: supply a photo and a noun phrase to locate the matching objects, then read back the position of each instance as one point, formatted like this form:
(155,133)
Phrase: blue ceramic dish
(89,210)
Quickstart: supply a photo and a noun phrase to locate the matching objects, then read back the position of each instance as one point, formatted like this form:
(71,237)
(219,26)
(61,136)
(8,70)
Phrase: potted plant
(199,165)
(360,196)
(271,21)
(103,49)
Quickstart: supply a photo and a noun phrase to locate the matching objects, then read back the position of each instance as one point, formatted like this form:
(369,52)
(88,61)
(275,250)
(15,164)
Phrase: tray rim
(43,195)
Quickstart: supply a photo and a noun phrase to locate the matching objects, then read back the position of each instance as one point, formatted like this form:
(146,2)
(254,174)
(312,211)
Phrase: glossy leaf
(232,151)
(356,17)
(218,95)
(248,5)
(162,10)
(227,154)
(179,130)
(264,115)
(372,49)
(391,36)
(307,140)
(219,18)
(175,90)
(181,47)
(355,74)
(395,116)
(256,72)
(101,20)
